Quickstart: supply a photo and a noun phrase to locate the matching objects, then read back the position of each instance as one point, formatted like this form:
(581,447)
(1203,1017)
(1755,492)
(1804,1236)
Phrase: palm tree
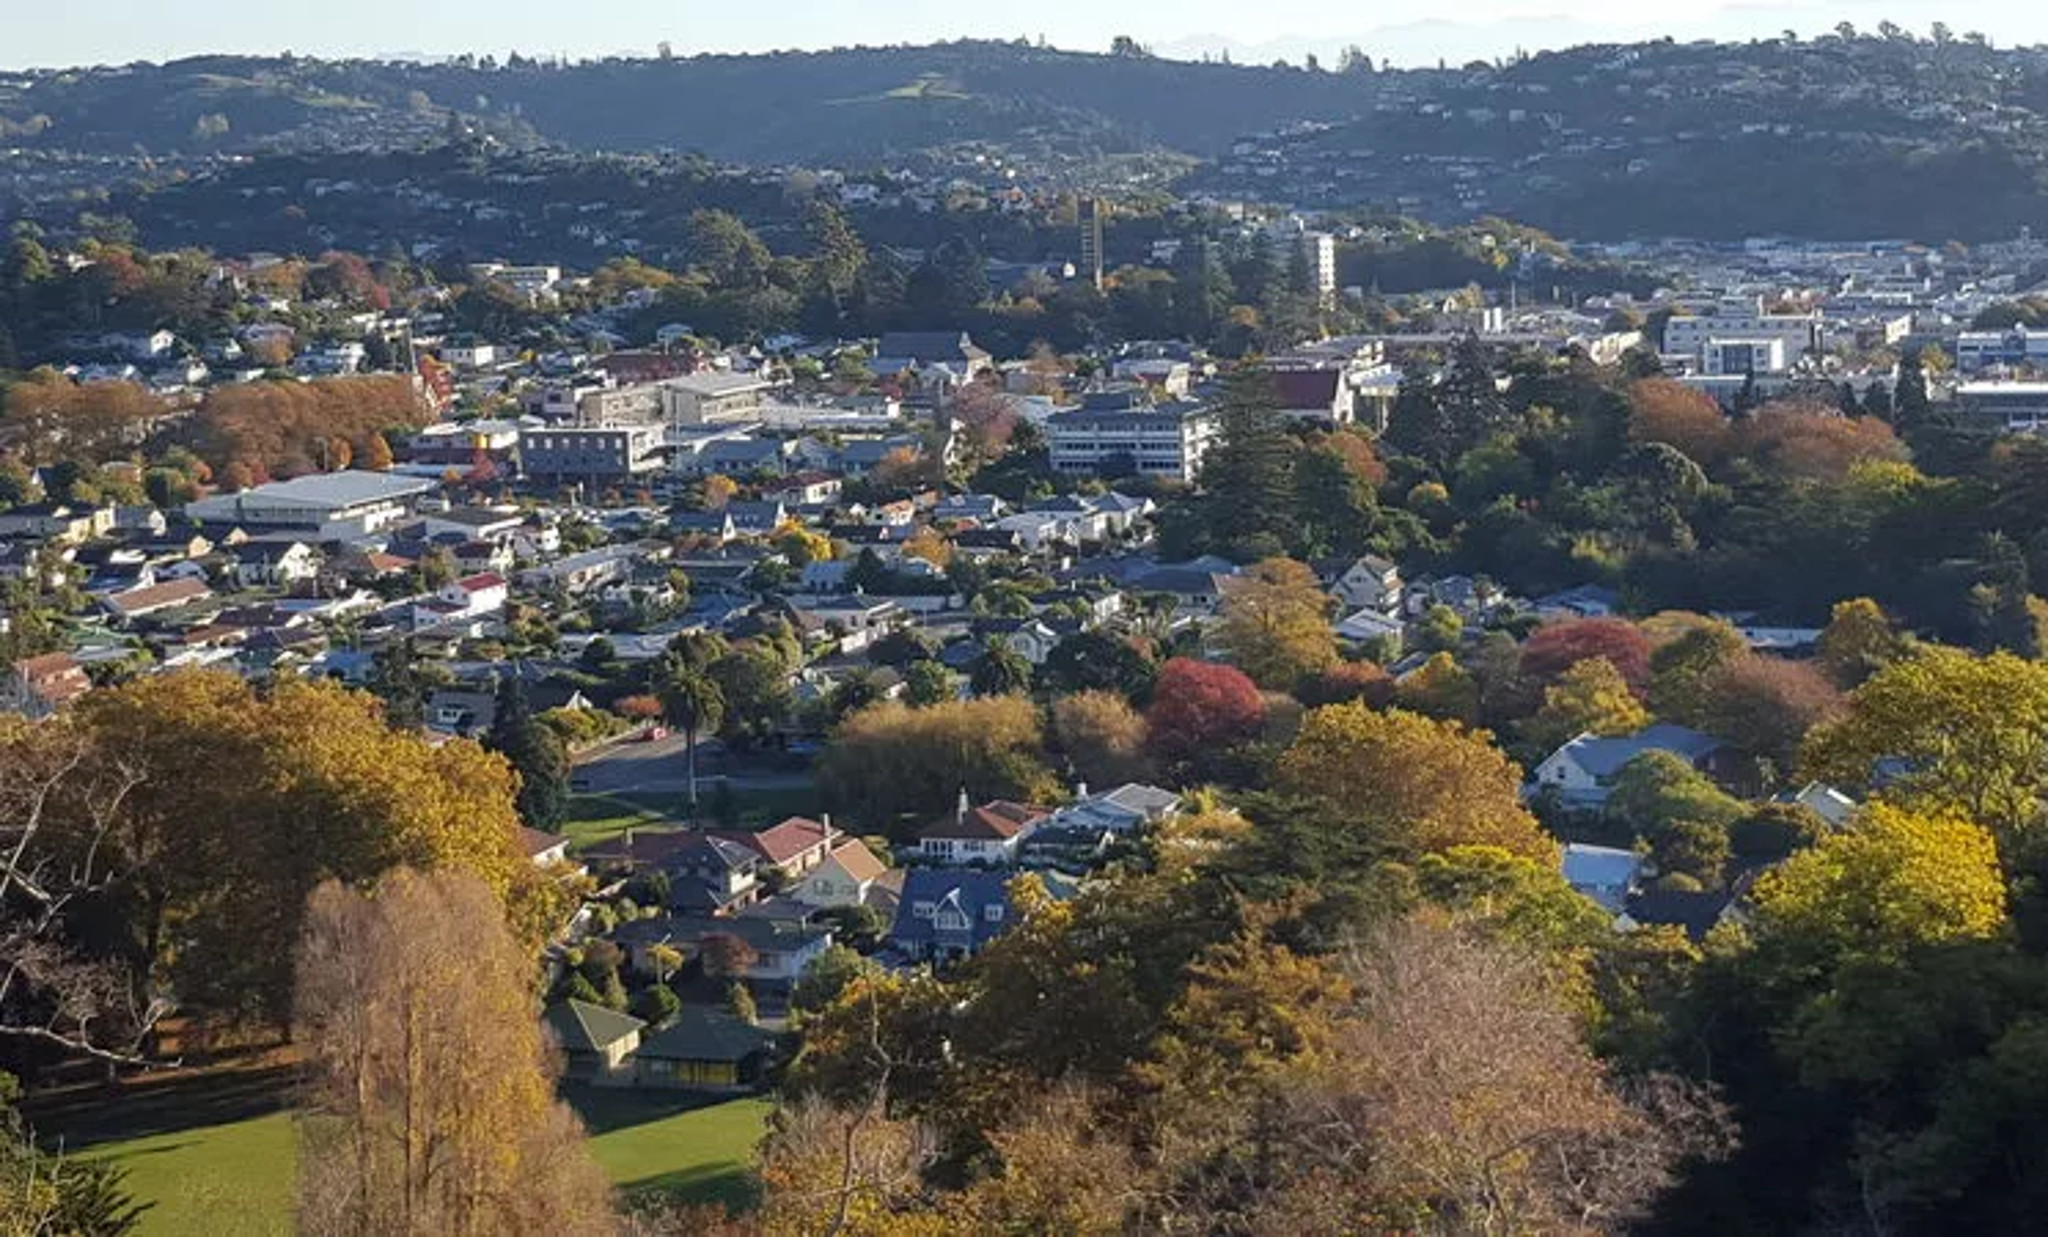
(692,702)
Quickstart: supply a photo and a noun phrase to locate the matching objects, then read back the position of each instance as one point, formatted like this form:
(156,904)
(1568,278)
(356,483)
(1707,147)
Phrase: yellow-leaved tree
(431,1107)
(1426,785)
(1276,624)
(1589,698)
(1946,730)
(1895,880)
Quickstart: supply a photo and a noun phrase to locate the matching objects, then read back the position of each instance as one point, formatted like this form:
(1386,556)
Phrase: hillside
(1829,137)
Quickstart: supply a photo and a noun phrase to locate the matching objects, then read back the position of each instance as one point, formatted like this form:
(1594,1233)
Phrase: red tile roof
(1001,821)
(781,843)
(478,583)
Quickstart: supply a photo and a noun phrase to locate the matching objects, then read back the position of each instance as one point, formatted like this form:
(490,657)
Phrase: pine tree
(1419,424)
(535,751)
(1248,475)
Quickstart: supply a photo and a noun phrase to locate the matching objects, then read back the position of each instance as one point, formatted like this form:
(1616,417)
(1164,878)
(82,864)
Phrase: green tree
(927,683)
(827,976)
(1000,671)
(535,751)
(1247,477)
(693,704)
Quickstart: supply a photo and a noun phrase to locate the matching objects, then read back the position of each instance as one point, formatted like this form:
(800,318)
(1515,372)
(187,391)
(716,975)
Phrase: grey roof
(341,489)
(970,892)
(928,346)
(718,384)
(1604,757)
(700,1034)
(579,1026)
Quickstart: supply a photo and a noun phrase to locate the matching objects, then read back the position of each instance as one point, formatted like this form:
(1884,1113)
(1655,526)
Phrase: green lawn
(235,1179)
(591,819)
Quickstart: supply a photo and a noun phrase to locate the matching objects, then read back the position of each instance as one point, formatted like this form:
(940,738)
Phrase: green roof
(580,1026)
(700,1034)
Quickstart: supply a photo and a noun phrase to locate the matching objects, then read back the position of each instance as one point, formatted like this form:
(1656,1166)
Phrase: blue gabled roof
(1604,757)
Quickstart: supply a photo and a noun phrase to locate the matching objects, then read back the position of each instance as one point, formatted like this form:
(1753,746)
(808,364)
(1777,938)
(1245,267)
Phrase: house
(793,847)
(1606,874)
(703,399)
(1120,433)
(781,948)
(1696,912)
(1369,583)
(991,833)
(712,875)
(1826,802)
(945,916)
(597,1044)
(54,521)
(1582,772)
(810,488)
(1371,626)
(952,354)
(546,850)
(847,876)
(477,595)
(1031,639)
(266,563)
(703,1050)
(1585,601)
(139,602)
(1127,809)
(1316,396)
(465,713)
(39,686)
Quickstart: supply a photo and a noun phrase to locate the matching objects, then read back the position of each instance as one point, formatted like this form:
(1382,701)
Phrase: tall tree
(1247,477)
(1000,671)
(693,704)
(431,1109)
(536,753)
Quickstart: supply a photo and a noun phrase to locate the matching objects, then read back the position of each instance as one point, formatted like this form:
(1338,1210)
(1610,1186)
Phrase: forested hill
(782,108)
(1885,134)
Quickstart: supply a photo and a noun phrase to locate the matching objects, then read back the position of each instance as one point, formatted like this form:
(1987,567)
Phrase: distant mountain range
(1863,136)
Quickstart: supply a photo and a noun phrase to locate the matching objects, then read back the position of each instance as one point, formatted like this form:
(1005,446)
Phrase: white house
(846,877)
(1370,583)
(990,834)
(1582,772)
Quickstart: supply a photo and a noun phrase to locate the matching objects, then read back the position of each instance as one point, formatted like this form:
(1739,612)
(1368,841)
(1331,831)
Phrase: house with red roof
(1321,395)
(39,686)
(794,847)
(991,833)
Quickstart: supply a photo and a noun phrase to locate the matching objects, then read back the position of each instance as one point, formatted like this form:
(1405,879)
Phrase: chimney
(826,821)
(1080,790)
(960,812)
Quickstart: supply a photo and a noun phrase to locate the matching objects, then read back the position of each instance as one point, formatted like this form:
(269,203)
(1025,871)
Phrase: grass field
(235,1179)
(591,819)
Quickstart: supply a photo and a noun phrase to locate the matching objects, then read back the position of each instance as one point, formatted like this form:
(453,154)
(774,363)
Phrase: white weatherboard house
(1582,772)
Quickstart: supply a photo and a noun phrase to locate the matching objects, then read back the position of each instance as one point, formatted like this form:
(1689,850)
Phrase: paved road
(661,767)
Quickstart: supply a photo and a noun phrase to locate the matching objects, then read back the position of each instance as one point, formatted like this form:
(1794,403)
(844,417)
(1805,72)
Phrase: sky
(72,32)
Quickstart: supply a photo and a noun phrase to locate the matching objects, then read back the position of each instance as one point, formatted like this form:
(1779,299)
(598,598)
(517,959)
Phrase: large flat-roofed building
(2016,407)
(335,504)
(1744,320)
(705,399)
(1116,432)
(590,453)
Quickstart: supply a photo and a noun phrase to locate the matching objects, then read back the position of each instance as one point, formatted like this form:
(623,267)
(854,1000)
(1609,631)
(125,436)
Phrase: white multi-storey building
(1116,431)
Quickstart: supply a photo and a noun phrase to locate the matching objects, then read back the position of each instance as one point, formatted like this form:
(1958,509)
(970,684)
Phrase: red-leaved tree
(1558,647)
(1201,707)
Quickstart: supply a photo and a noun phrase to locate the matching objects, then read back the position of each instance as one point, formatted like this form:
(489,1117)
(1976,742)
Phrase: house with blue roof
(945,914)
(1581,773)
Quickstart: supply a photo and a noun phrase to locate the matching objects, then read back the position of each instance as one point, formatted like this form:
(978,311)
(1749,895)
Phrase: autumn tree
(1346,682)
(1556,647)
(1810,442)
(430,1105)
(1663,410)
(1765,705)
(1276,624)
(243,802)
(1955,733)
(1456,1085)
(1418,784)
(1200,708)
(887,762)
(1440,688)
(1897,880)
(1102,738)
(1859,641)
(1590,697)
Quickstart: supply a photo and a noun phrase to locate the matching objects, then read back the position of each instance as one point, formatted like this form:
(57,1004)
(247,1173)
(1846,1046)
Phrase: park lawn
(235,1179)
